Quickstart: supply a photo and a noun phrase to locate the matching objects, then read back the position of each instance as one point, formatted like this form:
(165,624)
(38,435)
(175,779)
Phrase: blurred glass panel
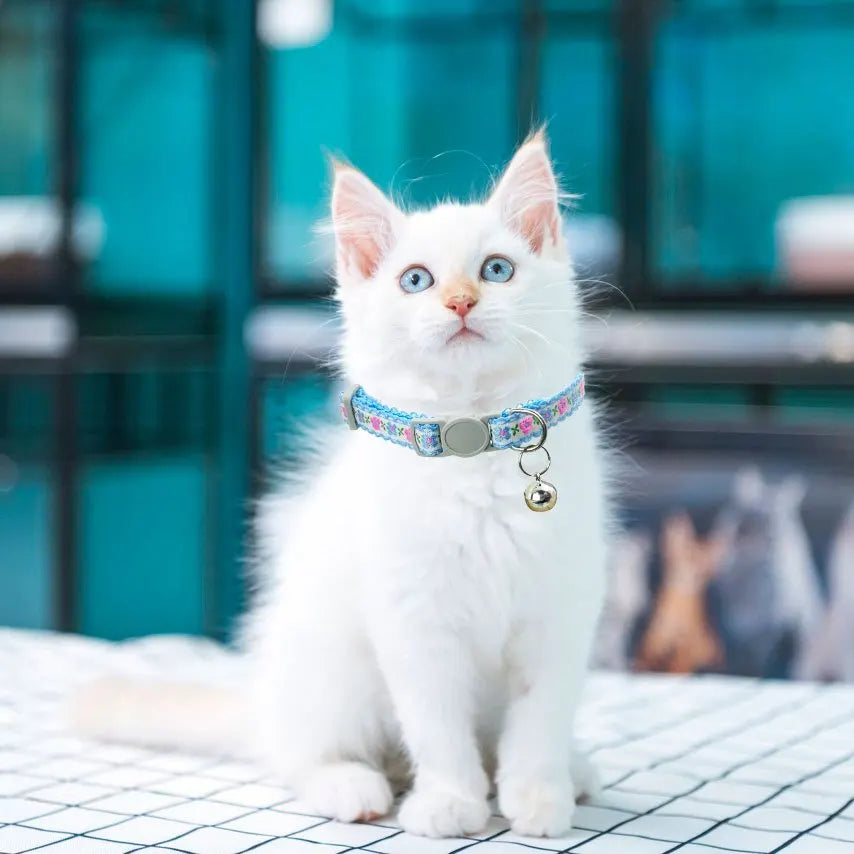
(285,406)
(811,404)
(578,98)
(147,133)
(153,408)
(422,98)
(699,404)
(146,475)
(765,408)
(142,545)
(28,240)
(751,111)
(577,6)
(26,496)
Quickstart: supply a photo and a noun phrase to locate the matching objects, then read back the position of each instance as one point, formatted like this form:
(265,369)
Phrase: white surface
(29,332)
(294,23)
(278,333)
(694,766)
(32,225)
(721,338)
(816,224)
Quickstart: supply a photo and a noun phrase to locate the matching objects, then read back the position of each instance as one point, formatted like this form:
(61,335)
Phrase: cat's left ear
(364,220)
(527,194)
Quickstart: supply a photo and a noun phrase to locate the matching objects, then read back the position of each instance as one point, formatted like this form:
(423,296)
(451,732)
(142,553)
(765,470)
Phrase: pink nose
(461,305)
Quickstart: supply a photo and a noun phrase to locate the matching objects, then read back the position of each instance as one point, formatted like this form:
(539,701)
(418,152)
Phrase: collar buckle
(347,408)
(466,437)
(459,437)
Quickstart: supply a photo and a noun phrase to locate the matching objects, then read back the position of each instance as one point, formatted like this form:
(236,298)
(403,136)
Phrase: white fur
(417,603)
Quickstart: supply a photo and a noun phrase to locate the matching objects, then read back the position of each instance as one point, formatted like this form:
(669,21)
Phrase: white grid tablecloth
(694,765)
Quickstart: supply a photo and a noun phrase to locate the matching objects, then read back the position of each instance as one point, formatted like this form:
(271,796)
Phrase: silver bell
(540,495)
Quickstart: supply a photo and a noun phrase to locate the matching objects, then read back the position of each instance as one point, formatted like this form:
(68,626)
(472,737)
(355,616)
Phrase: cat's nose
(461,304)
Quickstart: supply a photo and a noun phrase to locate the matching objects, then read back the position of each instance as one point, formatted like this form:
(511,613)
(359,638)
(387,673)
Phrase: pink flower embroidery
(375,422)
(343,411)
(408,434)
(561,405)
(526,424)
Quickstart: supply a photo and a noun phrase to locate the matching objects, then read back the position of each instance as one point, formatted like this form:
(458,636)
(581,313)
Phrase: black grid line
(614,830)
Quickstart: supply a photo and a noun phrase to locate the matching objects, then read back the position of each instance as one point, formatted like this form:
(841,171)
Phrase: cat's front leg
(432,683)
(539,776)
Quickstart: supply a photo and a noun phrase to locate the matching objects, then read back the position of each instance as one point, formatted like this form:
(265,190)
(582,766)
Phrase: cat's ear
(364,221)
(527,194)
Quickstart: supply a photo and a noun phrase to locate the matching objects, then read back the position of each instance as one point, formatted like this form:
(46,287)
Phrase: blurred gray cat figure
(830,654)
(767,592)
(627,597)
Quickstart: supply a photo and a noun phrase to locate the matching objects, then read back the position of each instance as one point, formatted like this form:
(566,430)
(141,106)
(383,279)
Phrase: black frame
(65,406)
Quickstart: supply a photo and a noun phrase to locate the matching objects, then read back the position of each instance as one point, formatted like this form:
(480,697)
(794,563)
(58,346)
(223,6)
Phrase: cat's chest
(453,538)
(455,510)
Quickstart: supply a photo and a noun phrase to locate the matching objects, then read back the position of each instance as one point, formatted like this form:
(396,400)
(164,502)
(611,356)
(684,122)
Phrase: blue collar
(460,437)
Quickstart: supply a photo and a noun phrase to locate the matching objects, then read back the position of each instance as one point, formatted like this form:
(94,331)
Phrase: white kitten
(418,602)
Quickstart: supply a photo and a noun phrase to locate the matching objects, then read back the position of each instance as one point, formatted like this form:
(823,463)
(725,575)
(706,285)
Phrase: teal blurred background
(161,169)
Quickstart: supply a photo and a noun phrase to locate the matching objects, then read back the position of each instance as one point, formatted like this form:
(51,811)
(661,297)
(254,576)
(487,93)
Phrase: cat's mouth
(465,333)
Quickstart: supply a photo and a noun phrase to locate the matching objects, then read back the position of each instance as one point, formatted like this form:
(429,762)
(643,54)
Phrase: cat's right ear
(527,194)
(364,221)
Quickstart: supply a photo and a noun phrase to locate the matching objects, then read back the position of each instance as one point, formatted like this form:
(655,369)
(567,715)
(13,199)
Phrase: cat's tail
(175,715)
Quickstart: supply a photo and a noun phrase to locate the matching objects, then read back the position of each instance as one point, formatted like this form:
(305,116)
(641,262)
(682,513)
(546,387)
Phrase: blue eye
(416,279)
(497,268)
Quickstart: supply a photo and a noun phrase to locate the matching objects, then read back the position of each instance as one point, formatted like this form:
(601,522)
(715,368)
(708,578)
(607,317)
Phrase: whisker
(581,283)
(537,310)
(604,284)
(517,340)
(548,341)
(317,361)
(532,308)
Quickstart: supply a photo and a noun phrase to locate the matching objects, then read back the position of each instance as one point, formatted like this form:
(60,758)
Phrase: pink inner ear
(363,253)
(362,218)
(537,221)
(527,194)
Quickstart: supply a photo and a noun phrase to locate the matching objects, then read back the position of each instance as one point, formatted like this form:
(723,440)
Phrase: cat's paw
(434,812)
(585,777)
(537,806)
(347,791)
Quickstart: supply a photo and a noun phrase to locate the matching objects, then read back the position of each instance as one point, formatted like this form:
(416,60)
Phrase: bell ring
(540,495)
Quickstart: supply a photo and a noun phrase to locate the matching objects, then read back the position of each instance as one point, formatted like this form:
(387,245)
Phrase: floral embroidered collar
(520,428)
